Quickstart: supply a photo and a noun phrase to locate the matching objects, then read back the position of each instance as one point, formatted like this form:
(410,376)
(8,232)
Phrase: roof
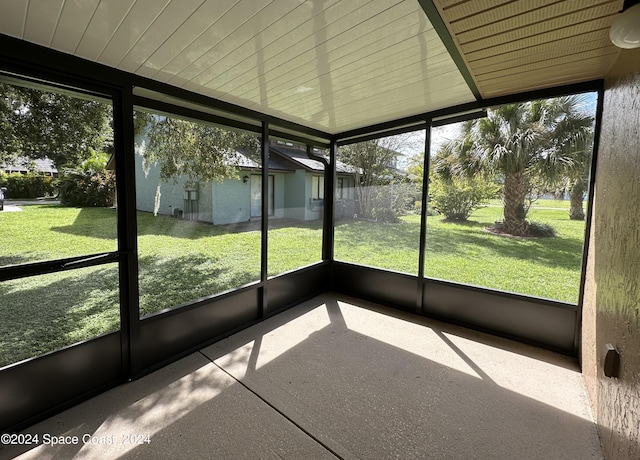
(23,165)
(300,158)
(287,160)
(335,65)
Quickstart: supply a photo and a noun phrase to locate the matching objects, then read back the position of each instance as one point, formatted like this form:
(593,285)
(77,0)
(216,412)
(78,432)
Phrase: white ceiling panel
(247,32)
(349,47)
(102,27)
(229,66)
(181,36)
(131,30)
(74,19)
(42,19)
(317,50)
(13,17)
(181,65)
(342,92)
(271,58)
(333,65)
(157,33)
(359,66)
(289,30)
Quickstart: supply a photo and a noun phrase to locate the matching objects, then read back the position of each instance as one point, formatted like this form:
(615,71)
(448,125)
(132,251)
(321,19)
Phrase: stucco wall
(612,293)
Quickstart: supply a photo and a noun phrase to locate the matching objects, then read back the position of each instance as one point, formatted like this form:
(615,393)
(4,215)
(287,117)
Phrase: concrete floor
(339,377)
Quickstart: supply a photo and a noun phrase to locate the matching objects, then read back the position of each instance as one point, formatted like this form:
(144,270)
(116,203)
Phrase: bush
(27,185)
(90,185)
(83,189)
(417,209)
(541,230)
(385,215)
(387,202)
(457,199)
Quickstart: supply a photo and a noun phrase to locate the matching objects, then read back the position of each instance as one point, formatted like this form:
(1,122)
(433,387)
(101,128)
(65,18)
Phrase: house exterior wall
(311,211)
(147,183)
(611,311)
(230,201)
(295,195)
(278,195)
(205,202)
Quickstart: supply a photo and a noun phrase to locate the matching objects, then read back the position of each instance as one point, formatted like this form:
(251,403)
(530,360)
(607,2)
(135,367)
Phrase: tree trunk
(576,212)
(513,197)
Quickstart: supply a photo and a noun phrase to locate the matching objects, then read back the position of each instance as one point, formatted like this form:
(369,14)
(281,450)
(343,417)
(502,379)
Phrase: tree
(374,163)
(35,124)
(194,151)
(573,138)
(521,144)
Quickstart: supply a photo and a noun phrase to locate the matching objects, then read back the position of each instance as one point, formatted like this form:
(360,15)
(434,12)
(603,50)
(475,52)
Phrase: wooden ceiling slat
(470,16)
(456,9)
(496,34)
(522,13)
(597,39)
(495,45)
(549,65)
(567,72)
(550,56)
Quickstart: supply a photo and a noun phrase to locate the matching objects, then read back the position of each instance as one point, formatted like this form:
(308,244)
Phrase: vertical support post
(589,218)
(329,215)
(123,132)
(423,215)
(264,248)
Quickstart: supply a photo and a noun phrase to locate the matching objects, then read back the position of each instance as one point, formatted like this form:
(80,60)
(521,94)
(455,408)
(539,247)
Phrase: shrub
(385,215)
(27,185)
(457,199)
(386,202)
(89,185)
(417,209)
(541,230)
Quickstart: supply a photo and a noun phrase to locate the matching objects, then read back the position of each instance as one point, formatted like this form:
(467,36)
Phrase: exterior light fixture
(625,31)
(245,179)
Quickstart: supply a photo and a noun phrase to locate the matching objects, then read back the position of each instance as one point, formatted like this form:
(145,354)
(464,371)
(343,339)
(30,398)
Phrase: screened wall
(214,218)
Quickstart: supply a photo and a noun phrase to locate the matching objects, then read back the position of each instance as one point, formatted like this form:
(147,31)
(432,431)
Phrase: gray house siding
(205,201)
(231,201)
(171,194)
(312,210)
(295,200)
(278,195)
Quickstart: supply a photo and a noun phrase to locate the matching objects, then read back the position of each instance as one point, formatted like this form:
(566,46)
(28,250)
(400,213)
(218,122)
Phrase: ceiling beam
(441,29)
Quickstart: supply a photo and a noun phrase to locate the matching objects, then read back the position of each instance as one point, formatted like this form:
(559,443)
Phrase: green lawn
(182,261)
(466,253)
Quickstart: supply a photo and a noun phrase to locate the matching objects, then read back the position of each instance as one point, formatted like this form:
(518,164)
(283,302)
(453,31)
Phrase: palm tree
(573,145)
(520,144)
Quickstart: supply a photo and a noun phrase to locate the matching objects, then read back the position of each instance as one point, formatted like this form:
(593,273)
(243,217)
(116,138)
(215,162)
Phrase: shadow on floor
(330,379)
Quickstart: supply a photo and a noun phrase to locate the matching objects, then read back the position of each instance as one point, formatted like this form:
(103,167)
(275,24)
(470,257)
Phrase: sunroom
(99,298)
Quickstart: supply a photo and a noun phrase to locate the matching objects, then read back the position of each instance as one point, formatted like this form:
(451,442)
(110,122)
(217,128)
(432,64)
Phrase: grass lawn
(465,253)
(181,261)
